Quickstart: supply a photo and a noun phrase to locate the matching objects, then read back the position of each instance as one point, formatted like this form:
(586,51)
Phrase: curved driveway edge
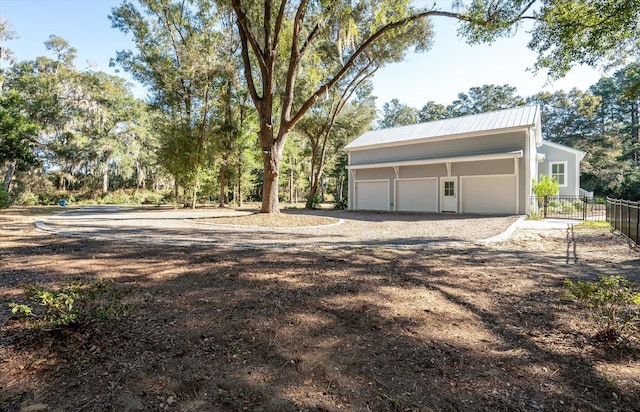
(353,229)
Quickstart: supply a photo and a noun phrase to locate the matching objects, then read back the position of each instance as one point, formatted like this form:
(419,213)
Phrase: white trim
(566,171)
(445,160)
(395,190)
(460,186)
(355,188)
(517,174)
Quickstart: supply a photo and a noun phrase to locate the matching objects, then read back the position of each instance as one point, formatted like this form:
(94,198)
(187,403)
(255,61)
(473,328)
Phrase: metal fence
(624,216)
(569,207)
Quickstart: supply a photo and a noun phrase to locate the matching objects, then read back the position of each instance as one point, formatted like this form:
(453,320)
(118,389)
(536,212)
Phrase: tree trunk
(105,179)
(176,187)
(223,184)
(194,198)
(291,179)
(271,160)
(8,177)
(239,184)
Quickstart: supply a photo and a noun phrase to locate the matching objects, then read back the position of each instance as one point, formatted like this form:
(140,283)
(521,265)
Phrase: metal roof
(523,116)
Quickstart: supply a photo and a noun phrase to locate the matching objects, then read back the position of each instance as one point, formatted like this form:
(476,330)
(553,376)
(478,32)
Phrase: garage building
(482,163)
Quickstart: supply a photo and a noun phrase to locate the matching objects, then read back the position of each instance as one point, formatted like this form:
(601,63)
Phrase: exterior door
(449,194)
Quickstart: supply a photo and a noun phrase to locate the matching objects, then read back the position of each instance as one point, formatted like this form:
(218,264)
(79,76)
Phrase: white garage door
(489,194)
(372,195)
(417,195)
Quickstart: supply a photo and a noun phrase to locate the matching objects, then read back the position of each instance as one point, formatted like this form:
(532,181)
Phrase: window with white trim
(558,171)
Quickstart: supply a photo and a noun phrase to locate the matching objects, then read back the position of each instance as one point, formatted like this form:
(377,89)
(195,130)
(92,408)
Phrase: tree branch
(322,90)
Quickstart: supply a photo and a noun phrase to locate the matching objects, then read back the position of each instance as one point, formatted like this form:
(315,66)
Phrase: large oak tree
(280,41)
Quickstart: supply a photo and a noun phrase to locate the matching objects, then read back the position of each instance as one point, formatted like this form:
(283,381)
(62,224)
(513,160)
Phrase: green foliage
(613,304)
(398,114)
(545,186)
(313,202)
(597,224)
(341,204)
(571,32)
(72,304)
(564,206)
(5,200)
(484,99)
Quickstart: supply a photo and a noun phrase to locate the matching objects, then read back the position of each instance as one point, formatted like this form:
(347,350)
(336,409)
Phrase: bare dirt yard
(452,326)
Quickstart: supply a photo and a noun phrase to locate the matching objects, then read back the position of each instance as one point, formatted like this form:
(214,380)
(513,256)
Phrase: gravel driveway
(351,229)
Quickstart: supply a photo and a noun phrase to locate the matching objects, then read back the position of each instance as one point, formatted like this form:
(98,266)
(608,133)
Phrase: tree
(395,114)
(328,125)
(592,32)
(17,136)
(484,99)
(179,57)
(433,111)
(280,39)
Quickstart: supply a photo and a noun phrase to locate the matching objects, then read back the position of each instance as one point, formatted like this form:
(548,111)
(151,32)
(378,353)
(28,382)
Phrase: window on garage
(559,172)
(449,189)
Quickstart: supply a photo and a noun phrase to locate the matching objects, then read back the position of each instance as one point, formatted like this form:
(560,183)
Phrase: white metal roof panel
(524,116)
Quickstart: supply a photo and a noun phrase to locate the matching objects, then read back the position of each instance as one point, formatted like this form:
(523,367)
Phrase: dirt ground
(442,328)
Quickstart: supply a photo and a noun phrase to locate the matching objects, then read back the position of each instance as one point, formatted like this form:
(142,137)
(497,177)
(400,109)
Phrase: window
(559,172)
(449,189)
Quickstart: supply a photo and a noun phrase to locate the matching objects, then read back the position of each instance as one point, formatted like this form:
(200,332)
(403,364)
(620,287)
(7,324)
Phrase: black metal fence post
(544,207)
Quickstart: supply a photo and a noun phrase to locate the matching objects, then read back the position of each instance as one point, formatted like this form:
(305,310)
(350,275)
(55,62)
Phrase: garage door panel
(419,195)
(489,194)
(372,195)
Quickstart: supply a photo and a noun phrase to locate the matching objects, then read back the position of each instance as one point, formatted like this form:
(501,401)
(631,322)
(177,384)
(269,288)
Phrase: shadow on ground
(444,328)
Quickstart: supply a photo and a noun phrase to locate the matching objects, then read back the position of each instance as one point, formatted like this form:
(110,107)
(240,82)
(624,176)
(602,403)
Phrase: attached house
(482,163)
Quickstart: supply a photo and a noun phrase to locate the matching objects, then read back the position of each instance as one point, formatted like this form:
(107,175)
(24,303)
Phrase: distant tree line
(254,99)
(603,121)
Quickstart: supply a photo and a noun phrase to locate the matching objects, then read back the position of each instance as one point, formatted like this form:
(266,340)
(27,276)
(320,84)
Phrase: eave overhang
(440,160)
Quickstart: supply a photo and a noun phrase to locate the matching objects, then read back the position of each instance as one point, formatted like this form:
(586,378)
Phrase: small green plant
(613,303)
(545,186)
(72,304)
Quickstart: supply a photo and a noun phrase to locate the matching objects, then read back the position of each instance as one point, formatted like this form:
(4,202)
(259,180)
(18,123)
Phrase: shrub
(313,202)
(341,204)
(545,186)
(613,303)
(578,205)
(5,200)
(27,199)
(72,304)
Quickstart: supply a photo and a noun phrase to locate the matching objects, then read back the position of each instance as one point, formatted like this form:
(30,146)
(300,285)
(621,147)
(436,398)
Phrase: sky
(449,68)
